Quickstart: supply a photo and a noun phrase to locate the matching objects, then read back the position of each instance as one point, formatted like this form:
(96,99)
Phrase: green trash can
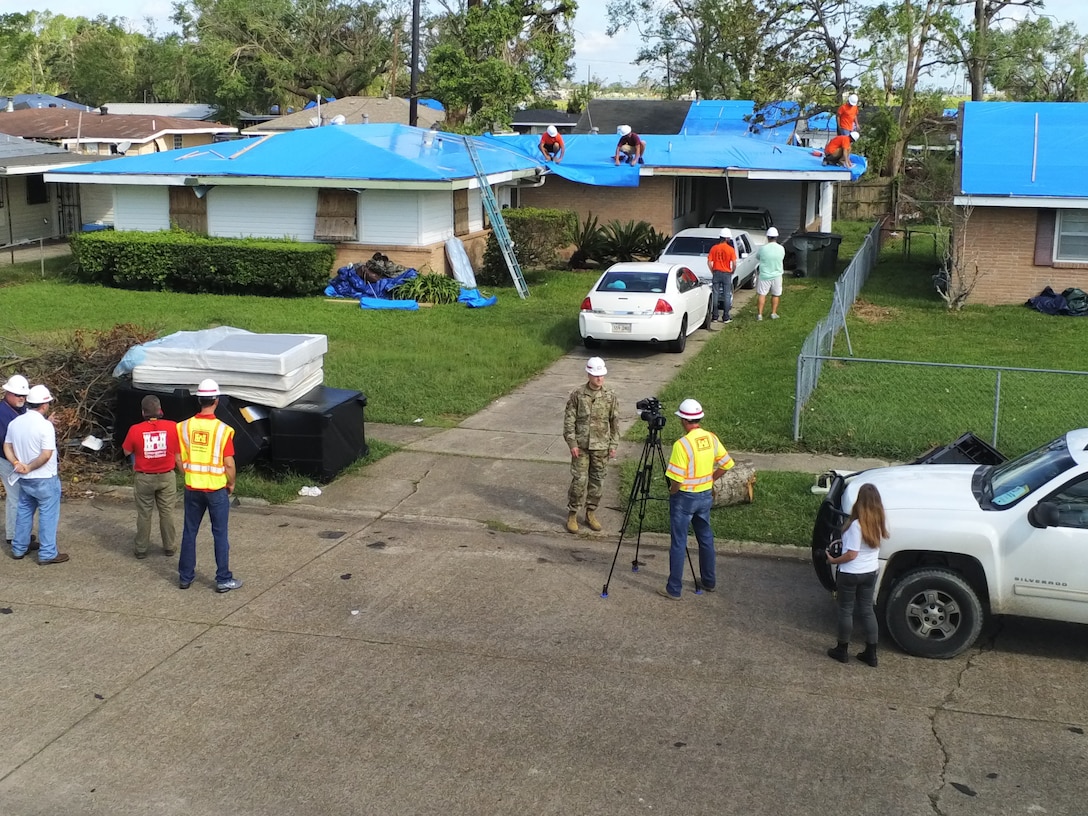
(817,253)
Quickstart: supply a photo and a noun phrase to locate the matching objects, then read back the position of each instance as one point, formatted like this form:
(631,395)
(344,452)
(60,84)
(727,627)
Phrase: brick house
(1022,199)
(391,188)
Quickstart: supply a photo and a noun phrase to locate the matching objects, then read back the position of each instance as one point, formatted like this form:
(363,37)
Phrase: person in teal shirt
(771,256)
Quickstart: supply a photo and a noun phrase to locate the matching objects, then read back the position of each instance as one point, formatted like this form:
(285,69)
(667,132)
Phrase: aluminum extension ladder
(498,225)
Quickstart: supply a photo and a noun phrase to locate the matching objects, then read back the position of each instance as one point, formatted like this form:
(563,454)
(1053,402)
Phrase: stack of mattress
(265,369)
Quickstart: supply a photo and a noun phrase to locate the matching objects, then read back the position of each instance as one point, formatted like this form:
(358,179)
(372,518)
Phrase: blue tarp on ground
(381,152)
(350,284)
(589,157)
(1005,153)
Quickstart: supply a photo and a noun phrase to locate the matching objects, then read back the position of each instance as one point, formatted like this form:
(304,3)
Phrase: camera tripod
(652,457)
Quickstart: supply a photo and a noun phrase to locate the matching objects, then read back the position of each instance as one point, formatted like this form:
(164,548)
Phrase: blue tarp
(349,284)
(589,157)
(474,300)
(385,152)
(773,122)
(382,303)
(1005,153)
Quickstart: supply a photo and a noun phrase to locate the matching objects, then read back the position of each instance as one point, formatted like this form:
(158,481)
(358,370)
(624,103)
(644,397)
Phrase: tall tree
(904,40)
(253,53)
(1040,61)
(486,56)
(972,42)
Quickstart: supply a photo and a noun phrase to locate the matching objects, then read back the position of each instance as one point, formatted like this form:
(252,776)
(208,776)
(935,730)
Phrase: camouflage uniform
(591,425)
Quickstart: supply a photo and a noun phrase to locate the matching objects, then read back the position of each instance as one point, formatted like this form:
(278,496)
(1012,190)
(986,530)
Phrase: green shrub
(588,241)
(433,288)
(538,235)
(178,261)
(627,241)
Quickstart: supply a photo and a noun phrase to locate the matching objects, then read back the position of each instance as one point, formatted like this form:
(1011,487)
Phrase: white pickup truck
(969,541)
(753,220)
(688,245)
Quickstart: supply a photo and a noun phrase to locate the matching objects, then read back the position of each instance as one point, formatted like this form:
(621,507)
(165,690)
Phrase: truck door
(1045,571)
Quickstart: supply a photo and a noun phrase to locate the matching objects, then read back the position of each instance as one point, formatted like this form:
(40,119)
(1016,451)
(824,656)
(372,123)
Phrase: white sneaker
(774,316)
(759,317)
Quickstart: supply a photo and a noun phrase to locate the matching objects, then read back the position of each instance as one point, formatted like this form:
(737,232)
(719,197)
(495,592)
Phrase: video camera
(650,409)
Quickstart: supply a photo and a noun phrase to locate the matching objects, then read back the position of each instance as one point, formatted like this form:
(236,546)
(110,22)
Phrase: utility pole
(413,98)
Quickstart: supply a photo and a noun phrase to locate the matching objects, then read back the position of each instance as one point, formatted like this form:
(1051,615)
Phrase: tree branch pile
(78,371)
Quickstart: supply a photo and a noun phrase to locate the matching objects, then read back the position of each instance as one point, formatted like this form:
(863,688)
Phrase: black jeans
(859,588)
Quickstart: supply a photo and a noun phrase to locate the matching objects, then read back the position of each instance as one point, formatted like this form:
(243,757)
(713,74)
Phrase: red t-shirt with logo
(155,444)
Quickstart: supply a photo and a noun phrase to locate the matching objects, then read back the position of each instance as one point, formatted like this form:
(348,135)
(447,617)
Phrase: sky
(597,55)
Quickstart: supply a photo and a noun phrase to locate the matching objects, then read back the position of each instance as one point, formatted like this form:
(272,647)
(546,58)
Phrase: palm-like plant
(588,242)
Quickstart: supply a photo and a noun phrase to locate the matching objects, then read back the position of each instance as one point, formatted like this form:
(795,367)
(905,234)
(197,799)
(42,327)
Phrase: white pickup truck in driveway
(688,246)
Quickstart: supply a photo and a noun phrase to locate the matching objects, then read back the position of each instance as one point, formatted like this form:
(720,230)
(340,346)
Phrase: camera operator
(698,458)
(592,432)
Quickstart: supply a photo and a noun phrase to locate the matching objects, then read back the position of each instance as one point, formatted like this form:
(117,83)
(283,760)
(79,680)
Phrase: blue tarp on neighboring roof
(738,117)
(1001,156)
(379,152)
(589,158)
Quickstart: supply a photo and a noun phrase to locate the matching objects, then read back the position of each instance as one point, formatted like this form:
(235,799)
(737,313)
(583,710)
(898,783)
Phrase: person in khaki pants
(156,453)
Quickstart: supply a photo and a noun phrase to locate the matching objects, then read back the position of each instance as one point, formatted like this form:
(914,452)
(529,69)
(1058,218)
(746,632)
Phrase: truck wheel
(934,613)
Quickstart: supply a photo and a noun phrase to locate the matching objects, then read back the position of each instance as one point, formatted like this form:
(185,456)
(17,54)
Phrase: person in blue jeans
(30,446)
(698,458)
(722,263)
(859,564)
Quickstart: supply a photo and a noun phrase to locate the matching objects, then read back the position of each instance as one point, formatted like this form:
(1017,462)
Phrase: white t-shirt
(867,559)
(29,435)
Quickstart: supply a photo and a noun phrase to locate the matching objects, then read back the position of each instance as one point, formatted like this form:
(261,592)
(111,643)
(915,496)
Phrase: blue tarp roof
(589,158)
(385,152)
(728,116)
(1000,153)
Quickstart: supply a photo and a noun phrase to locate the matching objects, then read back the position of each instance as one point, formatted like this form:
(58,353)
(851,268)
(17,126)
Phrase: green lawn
(441,364)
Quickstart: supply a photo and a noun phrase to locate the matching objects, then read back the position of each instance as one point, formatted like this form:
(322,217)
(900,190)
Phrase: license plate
(621,328)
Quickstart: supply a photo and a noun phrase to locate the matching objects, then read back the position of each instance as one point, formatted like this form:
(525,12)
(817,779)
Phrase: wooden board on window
(336,215)
(460,212)
(187,211)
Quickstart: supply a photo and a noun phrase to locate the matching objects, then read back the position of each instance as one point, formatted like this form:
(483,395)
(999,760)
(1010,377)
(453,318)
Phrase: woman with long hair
(858,569)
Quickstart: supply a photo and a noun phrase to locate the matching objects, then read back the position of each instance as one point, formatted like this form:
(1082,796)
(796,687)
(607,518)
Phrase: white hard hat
(852,99)
(207,388)
(854,135)
(690,410)
(595,367)
(39,395)
(17,385)
(553,131)
(725,233)
(772,232)
(624,130)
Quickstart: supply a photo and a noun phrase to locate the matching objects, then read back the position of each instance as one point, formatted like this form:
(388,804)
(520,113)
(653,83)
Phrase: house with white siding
(391,188)
(30,207)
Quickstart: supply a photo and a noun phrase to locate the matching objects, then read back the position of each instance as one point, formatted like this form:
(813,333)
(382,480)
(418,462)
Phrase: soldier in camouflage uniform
(591,430)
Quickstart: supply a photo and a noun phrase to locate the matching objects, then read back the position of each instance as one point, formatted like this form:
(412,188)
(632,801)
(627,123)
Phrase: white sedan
(647,302)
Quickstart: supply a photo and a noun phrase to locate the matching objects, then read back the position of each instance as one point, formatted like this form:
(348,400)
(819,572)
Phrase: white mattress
(271,397)
(228,349)
(182,377)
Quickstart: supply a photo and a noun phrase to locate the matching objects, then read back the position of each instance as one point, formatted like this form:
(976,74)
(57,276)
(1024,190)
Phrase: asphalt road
(377,663)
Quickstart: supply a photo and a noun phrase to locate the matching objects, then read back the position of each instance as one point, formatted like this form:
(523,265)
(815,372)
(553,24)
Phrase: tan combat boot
(572,522)
(591,520)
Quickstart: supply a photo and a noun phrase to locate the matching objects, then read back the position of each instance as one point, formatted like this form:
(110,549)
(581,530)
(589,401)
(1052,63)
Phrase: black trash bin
(967,450)
(817,253)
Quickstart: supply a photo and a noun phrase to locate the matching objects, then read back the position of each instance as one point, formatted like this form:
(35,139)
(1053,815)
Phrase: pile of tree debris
(78,371)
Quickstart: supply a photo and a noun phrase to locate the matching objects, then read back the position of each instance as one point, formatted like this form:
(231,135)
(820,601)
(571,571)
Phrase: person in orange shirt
(848,116)
(838,149)
(722,262)
(551,144)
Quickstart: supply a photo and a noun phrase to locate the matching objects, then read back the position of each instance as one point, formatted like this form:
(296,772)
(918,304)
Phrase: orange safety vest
(694,459)
(203,440)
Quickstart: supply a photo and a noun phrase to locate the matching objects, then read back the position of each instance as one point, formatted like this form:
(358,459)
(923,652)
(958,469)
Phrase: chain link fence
(821,341)
(899,409)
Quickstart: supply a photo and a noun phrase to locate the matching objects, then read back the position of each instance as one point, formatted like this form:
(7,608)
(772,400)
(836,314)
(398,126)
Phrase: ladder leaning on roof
(498,225)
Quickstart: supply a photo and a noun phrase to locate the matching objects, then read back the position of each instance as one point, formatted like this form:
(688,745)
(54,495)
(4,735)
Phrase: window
(1072,502)
(177,142)
(37,191)
(1072,237)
